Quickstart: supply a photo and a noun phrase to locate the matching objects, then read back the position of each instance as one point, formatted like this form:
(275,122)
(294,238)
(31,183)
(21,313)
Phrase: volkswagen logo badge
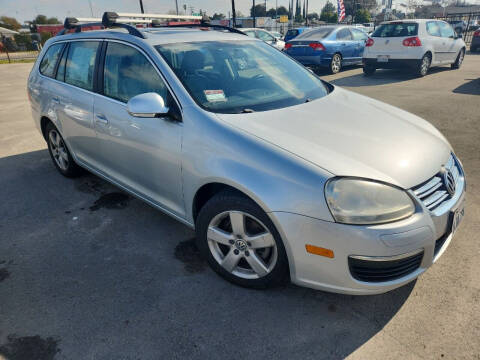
(449,181)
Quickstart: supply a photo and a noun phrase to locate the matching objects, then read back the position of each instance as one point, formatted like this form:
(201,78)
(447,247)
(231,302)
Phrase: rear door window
(396,30)
(446,30)
(81,64)
(433,28)
(359,35)
(344,34)
(292,33)
(128,73)
(47,65)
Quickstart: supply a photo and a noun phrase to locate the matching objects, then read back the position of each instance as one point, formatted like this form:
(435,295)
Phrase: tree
(218,16)
(42,19)
(282,10)
(259,10)
(313,16)
(362,16)
(329,13)
(351,6)
(10,23)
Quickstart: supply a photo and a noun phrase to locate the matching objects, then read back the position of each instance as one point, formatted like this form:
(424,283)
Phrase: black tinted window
(129,73)
(81,63)
(292,33)
(47,66)
(344,34)
(396,30)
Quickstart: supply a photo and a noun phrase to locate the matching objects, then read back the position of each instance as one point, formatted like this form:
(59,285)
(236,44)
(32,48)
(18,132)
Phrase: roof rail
(204,25)
(79,23)
(110,18)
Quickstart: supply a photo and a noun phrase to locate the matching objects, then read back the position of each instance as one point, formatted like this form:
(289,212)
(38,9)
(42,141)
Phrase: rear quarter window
(396,30)
(47,65)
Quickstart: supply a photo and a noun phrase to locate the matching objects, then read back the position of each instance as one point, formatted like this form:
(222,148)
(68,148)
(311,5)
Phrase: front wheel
(424,65)
(458,62)
(240,242)
(336,64)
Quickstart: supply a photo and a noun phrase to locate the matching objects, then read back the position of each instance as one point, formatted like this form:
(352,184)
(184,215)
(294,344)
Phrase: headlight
(357,201)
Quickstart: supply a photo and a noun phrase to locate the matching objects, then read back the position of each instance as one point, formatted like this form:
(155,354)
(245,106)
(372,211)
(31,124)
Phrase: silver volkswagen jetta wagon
(282,175)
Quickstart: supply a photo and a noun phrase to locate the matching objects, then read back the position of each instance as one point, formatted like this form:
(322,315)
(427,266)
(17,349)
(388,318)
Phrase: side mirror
(147,105)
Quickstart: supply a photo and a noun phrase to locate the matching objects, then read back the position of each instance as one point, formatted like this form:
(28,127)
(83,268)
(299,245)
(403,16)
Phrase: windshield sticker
(215,95)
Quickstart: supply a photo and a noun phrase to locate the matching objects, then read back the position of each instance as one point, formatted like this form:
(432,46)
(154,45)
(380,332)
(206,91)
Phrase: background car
(331,47)
(292,33)
(475,45)
(265,36)
(458,25)
(415,44)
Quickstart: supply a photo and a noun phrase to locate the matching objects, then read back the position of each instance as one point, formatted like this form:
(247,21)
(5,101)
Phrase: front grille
(378,271)
(433,192)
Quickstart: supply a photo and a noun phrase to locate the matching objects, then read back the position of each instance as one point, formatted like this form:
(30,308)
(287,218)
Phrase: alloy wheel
(336,63)
(242,244)
(58,149)
(425,65)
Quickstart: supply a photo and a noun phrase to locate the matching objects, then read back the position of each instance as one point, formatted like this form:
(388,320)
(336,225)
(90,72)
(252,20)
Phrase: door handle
(99,118)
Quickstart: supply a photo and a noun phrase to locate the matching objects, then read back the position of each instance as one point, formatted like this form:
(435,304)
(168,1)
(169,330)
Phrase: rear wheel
(458,62)
(336,64)
(369,70)
(424,65)
(60,154)
(240,242)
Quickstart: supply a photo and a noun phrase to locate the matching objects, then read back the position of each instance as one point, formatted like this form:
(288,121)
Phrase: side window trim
(54,74)
(55,69)
(65,50)
(101,84)
(99,68)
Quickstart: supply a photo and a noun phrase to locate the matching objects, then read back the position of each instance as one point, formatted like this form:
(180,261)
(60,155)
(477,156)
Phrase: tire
(369,70)
(255,261)
(336,64)
(459,61)
(424,65)
(61,157)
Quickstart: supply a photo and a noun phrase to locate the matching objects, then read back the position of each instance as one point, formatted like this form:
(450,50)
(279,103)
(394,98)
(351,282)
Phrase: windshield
(242,76)
(315,34)
(396,30)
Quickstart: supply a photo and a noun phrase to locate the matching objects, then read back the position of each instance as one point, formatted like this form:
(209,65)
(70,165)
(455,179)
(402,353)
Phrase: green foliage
(259,10)
(42,19)
(329,13)
(362,16)
(282,10)
(10,23)
(218,16)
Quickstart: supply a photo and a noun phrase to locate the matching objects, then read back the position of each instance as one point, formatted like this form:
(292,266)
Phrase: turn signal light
(369,42)
(316,250)
(317,46)
(287,46)
(412,41)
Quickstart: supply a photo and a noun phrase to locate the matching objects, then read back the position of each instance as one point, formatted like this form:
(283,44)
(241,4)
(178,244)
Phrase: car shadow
(472,87)
(131,281)
(383,77)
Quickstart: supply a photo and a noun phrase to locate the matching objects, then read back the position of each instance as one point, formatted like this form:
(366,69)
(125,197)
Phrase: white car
(417,44)
(265,36)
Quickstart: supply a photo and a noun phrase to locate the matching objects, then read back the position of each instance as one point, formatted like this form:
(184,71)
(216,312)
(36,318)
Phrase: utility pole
(176,5)
(254,22)
(91,9)
(306,13)
(141,7)
(234,16)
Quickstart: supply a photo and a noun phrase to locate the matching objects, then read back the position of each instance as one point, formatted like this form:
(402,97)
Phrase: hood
(352,135)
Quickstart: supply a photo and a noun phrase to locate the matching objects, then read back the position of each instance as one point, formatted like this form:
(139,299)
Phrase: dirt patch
(29,348)
(91,185)
(4,274)
(113,200)
(187,252)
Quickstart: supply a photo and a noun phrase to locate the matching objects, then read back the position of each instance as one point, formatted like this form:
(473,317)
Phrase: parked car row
(414,44)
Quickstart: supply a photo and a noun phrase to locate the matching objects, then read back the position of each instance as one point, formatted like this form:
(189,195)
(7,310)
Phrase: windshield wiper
(246,111)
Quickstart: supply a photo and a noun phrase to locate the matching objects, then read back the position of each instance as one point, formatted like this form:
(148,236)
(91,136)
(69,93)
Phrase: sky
(27,9)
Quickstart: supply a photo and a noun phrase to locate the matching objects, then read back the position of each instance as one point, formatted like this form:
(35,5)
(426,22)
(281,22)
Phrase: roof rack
(123,20)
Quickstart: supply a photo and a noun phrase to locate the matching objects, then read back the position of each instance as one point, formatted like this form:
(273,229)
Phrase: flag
(340,10)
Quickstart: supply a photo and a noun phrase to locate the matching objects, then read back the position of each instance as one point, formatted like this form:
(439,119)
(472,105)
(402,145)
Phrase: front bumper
(425,233)
(392,63)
